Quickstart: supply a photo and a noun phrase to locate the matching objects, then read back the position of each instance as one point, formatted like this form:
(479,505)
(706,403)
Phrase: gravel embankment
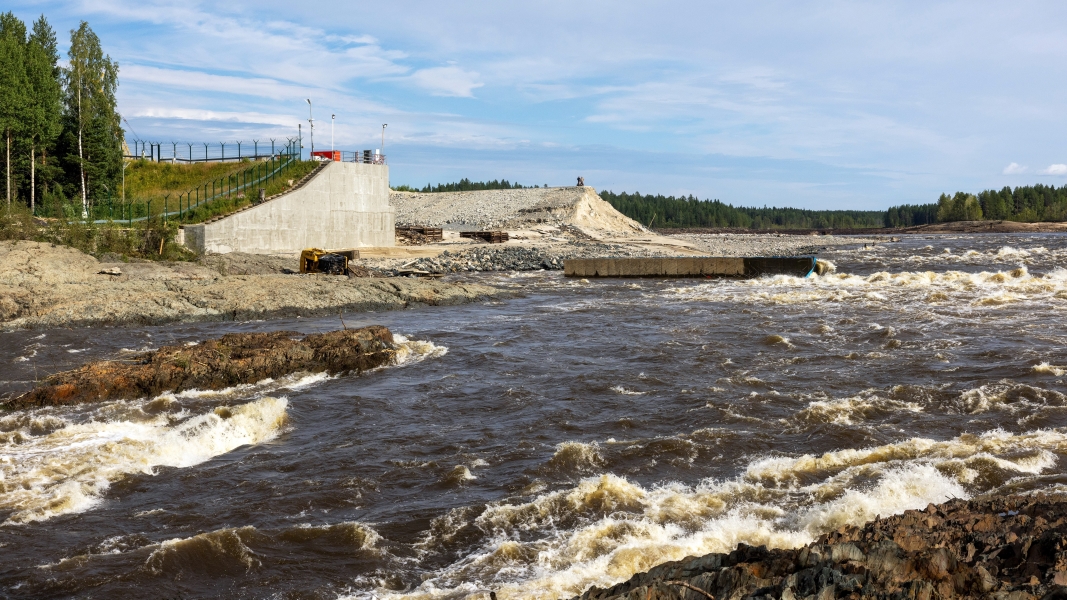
(571,207)
(520,258)
(550,256)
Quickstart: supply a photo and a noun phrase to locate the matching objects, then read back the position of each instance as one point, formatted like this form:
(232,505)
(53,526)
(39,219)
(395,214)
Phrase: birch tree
(91,81)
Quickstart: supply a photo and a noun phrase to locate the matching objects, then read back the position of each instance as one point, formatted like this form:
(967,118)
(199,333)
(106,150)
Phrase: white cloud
(1015,169)
(212,115)
(1060,169)
(198,80)
(447,81)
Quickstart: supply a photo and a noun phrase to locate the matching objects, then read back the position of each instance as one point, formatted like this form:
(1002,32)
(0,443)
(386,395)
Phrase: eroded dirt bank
(42,285)
(231,360)
(1010,548)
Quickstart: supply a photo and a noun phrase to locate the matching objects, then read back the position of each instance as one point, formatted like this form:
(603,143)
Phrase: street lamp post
(332,117)
(311,121)
(384,125)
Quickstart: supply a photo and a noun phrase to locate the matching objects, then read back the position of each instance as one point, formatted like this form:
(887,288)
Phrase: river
(540,445)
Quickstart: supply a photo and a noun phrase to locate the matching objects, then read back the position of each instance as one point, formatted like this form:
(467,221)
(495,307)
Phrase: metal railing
(370,157)
(232,186)
(190,152)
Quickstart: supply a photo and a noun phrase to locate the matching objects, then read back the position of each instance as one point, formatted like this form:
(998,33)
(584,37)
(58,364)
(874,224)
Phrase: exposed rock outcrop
(231,360)
(43,286)
(1007,548)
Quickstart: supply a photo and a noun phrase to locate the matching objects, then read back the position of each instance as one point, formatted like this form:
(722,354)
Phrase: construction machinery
(315,260)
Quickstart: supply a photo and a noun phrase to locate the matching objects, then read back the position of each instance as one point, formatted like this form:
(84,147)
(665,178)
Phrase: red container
(334,155)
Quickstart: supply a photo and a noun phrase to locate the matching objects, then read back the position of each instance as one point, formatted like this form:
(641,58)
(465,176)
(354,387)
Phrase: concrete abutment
(346,205)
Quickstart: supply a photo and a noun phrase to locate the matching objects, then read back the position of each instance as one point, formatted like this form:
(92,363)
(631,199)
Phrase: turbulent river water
(537,446)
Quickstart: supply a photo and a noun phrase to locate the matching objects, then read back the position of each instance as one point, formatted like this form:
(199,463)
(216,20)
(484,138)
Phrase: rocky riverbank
(42,285)
(231,360)
(1006,548)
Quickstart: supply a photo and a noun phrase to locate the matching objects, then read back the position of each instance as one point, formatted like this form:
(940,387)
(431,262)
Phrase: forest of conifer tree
(62,139)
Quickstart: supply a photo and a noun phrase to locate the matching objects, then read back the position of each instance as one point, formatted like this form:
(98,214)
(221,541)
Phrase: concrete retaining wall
(798,266)
(345,206)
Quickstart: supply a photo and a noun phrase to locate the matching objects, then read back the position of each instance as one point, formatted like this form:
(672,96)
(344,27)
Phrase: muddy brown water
(544,444)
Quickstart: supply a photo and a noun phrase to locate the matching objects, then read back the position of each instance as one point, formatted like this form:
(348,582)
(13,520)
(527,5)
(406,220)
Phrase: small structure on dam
(342,205)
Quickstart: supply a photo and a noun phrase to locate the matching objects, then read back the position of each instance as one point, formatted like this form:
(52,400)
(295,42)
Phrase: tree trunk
(81,157)
(33,180)
(8,166)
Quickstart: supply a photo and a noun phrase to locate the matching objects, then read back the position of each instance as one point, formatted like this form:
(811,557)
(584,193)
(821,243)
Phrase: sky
(823,105)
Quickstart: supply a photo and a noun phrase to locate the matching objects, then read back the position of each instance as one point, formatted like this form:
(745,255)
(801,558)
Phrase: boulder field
(1004,548)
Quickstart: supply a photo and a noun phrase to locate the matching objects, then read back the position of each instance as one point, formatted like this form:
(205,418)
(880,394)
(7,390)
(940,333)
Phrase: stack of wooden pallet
(430,234)
(493,237)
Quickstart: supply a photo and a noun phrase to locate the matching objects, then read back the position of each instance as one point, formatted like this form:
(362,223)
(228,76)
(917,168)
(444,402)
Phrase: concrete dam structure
(344,205)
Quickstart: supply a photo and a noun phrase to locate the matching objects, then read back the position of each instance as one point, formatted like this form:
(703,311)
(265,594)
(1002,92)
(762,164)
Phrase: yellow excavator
(315,260)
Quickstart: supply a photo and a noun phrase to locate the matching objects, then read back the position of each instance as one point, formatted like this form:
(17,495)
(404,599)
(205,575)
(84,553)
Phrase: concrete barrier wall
(345,206)
(798,266)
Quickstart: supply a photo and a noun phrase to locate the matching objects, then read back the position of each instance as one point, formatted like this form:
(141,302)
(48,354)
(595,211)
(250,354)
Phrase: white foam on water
(1047,369)
(67,468)
(846,411)
(618,389)
(295,381)
(415,351)
(1011,396)
(606,528)
(233,549)
(576,457)
(986,290)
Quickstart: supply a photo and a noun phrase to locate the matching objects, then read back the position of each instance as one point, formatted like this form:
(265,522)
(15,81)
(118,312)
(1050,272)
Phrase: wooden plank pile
(493,237)
(429,234)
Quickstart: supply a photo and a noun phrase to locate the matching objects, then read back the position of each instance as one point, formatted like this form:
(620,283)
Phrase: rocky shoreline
(1003,548)
(233,359)
(43,286)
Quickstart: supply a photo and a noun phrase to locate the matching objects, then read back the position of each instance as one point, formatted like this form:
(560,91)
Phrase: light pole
(332,117)
(384,125)
(311,120)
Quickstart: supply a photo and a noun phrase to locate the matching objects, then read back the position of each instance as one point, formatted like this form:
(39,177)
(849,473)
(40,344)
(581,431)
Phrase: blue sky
(811,104)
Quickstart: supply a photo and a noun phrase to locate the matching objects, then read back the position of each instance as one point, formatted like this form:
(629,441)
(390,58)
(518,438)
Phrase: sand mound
(578,207)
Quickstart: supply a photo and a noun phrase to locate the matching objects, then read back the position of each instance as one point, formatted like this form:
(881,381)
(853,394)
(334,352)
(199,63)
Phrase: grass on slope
(146,180)
(226,205)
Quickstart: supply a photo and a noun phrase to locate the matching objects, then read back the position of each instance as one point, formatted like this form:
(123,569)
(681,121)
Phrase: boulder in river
(1004,548)
(233,359)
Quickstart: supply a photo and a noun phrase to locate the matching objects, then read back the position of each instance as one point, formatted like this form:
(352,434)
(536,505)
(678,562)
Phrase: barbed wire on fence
(191,152)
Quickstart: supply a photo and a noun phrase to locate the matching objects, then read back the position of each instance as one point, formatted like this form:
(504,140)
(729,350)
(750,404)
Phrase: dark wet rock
(1004,548)
(231,360)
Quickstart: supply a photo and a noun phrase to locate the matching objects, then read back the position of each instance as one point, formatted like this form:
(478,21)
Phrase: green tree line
(62,139)
(466,185)
(1025,203)
(669,211)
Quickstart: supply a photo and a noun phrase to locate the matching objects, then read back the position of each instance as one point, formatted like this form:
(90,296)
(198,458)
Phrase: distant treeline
(1027,203)
(669,211)
(466,185)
